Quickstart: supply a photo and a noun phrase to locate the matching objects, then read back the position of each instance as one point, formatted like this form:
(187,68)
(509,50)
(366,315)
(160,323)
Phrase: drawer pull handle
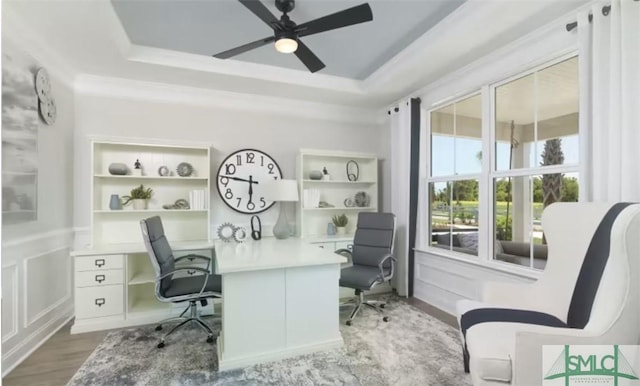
(350,247)
(99,262)
(100,278)
(191,272)
(321,246)
(100,301)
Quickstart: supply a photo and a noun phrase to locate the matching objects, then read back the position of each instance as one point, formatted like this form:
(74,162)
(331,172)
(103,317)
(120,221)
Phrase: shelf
(344,208)
(19,211)
(338,182)
(9,173)
(142,278)
(143,305)
(152,211)
(128,177)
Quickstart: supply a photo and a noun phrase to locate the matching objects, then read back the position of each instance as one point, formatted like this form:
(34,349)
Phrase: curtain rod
(605,11)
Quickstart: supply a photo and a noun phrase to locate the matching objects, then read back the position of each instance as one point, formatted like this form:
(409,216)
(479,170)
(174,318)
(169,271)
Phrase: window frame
(486,207)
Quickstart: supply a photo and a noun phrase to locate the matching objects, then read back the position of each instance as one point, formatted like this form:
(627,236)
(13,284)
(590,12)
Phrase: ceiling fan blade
(358,14)
(261,11)
(308,58)
(244,48)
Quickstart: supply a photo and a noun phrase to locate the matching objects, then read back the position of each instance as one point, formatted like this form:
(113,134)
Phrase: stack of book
(197,200)
(311,198)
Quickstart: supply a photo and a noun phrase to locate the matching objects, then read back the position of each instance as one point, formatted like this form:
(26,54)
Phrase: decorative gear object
(184,169)
(226,232)
(240,234)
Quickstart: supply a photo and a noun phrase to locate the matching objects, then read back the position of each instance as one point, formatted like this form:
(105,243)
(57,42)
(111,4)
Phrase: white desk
(280,299)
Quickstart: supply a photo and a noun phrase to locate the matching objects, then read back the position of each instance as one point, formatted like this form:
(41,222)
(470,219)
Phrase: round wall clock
(240,179)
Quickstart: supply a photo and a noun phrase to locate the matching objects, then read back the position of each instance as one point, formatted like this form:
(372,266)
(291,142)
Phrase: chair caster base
(385,319)
(210,339)
(161,344)
(348,322)
(159,327)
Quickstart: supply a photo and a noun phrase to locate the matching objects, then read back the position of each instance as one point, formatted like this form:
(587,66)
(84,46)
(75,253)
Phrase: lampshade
(280,190)
(286,45)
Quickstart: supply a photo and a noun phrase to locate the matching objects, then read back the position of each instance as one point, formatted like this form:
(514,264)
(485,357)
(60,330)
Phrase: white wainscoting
(442,281)
(36,292)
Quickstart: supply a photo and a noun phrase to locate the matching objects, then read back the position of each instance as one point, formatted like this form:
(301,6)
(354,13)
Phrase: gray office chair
(372,257)
(190,289)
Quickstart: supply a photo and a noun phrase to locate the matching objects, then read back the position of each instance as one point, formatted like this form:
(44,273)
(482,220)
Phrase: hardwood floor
(55,362)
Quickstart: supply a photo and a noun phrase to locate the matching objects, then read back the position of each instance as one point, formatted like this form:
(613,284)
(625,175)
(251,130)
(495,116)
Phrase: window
(536,158)
(456,163)
(531,139)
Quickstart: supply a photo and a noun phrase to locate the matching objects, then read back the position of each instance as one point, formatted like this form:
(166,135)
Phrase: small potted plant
(340,221)
(138,197)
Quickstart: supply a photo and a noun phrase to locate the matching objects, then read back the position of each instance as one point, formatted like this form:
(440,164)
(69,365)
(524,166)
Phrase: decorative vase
(331,229)
(115,203)
(315,175)
(281,230)
(341,230)
(139,204)
(118,169)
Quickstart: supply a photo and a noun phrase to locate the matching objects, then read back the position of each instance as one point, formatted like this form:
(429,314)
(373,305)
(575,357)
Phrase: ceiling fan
(287,34)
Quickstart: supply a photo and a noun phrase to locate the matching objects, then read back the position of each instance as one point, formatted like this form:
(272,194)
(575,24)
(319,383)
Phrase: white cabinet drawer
(344,245)
(95,302)
(326,246)
(99,278)
(187,263)
(92,263)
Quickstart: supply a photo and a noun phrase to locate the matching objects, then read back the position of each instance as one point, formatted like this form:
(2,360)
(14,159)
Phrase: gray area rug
(411,349)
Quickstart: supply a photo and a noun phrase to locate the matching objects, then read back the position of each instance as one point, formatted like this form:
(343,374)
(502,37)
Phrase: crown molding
(183,60)
(17,34)
(169,93)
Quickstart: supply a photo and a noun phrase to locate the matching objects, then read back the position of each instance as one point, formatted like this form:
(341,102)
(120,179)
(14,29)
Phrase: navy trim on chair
(584,292)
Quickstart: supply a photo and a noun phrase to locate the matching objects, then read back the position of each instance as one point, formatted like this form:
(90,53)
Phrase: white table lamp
(281,191)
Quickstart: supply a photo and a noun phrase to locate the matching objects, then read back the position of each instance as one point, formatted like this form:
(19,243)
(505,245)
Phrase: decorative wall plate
(48,111)
(184,169)
(43,85)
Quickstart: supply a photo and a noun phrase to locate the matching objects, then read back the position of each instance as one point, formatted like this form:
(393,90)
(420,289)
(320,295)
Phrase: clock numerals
(240,179)
(250,205)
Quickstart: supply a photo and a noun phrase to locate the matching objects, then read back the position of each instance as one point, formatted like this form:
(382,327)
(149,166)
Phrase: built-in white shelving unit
(122,226)
(312,220)
(114,277)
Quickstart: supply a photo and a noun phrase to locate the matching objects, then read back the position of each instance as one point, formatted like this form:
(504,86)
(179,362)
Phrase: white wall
(441,280)
(182,116)
(36,268)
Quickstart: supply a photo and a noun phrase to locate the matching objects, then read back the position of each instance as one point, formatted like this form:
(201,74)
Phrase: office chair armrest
(206,275)
(342,251)
(194,256)
(393,266)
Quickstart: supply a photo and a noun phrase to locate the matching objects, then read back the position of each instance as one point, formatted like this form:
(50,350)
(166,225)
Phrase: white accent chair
(508,353)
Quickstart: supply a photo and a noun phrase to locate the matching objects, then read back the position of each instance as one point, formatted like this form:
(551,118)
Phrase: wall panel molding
(14,302)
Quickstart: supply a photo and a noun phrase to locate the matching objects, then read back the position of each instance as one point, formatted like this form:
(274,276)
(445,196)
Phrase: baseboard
(27,346)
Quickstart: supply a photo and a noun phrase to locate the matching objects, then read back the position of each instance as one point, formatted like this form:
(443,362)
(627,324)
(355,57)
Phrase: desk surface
(270,253)
(124,248)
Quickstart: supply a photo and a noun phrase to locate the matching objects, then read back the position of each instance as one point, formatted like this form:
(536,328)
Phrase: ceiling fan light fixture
(286,45)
